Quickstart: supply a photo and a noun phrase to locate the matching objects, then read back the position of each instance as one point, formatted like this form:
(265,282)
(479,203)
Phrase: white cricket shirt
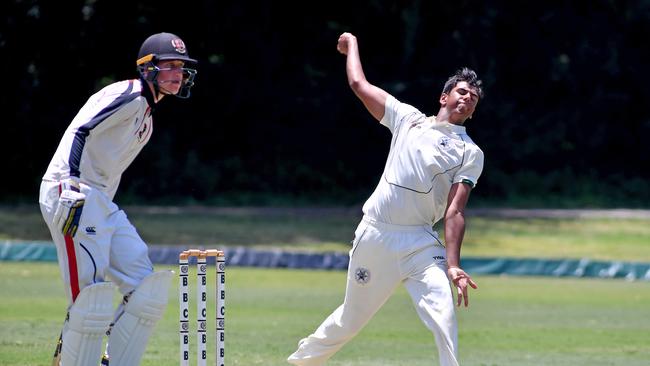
(426,157)
(105,137)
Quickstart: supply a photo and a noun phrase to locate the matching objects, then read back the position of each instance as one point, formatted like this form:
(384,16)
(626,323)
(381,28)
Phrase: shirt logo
(444,143)
(362,275)
(90,230)
(143,132)
(415,124)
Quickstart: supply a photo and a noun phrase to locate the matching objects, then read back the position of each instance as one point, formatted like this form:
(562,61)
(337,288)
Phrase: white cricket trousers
(105,247)
(382,257)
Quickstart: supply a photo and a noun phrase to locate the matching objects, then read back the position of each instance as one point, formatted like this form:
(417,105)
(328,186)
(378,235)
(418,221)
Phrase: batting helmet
(160,47)
(163,46)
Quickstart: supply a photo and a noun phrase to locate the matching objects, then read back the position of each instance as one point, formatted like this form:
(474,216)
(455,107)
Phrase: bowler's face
(461,101)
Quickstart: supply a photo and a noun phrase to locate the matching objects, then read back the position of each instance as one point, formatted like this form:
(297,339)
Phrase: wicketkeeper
(95,241)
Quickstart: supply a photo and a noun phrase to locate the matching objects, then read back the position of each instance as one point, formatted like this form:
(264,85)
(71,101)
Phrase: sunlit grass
(594,238)
(622,239)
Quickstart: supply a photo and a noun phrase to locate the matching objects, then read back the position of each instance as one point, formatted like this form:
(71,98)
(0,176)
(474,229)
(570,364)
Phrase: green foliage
(561,189)
(271,115)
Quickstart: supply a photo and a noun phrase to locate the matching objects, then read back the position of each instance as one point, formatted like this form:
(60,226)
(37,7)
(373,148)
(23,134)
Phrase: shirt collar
(446,126)
(146,92)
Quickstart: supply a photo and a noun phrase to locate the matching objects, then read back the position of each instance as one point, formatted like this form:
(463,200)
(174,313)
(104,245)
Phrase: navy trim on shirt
(146,91)
(74,161)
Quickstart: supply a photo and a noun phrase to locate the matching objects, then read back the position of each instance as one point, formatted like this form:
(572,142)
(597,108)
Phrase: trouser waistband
(382,225)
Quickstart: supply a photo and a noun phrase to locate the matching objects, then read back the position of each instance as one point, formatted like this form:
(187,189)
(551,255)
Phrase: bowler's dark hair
(465,74)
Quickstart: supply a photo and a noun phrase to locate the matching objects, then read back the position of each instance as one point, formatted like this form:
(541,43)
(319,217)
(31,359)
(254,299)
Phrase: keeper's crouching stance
(103,231)
(95,241)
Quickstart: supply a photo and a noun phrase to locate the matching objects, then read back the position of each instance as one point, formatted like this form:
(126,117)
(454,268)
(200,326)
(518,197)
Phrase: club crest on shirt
(416,125)
(143,131)
(362,275)
(444,143)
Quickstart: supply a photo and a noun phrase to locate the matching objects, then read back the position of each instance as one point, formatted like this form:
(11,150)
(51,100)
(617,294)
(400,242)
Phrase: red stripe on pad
(72,266)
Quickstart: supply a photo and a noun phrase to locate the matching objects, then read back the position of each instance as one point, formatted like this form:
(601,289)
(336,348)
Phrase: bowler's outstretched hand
(344,41)
(461,280)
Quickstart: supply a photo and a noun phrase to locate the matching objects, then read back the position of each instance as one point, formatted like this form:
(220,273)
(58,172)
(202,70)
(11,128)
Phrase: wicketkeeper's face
(170,75)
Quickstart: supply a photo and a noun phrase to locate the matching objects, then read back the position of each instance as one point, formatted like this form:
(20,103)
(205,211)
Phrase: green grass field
(515,321)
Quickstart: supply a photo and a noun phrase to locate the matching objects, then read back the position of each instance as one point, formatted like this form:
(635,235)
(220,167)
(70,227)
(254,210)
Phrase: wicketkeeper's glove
(68,211)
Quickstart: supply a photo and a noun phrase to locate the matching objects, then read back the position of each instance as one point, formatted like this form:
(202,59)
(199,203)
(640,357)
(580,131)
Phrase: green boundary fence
(275,258)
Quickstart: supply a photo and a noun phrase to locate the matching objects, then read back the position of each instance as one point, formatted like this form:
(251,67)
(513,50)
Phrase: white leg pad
(145,306)
(88,320)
